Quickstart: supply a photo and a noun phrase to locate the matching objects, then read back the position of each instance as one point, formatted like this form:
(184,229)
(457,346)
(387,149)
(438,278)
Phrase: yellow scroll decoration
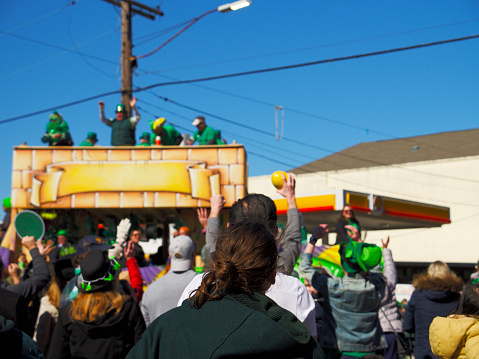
(69,178)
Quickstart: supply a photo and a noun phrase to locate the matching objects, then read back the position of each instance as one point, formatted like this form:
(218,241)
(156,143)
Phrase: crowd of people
(123,129)
(89,300)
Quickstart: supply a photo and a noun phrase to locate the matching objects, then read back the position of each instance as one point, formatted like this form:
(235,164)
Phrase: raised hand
(385,243)
(203,216)
(122,230)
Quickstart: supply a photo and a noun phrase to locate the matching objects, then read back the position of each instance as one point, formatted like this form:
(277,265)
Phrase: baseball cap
(181,248)
(198,120)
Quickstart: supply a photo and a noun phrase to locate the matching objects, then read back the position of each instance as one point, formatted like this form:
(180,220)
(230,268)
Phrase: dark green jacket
(237,326)
(122,134)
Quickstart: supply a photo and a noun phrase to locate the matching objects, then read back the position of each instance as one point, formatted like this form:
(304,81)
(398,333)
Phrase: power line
(58,107)
(379,163)
(156,34)
(328,175)
(312,165)
(177,34)
(322,118)
(245,139)
(319,62)
(249,73)
(62,48)
(249,151)
(70,3)
(319,46)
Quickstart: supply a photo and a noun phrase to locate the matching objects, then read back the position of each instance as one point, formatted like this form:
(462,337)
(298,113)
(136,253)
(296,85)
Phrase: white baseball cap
(198,120)
(181,249)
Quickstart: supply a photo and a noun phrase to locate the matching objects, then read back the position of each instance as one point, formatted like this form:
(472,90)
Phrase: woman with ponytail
(229,315)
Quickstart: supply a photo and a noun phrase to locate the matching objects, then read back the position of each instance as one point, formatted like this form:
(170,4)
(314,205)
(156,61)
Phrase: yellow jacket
(456,336)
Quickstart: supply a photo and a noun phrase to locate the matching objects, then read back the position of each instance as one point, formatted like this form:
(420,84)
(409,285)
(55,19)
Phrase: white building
(440,169)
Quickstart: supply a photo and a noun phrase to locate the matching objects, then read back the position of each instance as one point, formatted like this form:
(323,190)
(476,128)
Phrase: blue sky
(57,52)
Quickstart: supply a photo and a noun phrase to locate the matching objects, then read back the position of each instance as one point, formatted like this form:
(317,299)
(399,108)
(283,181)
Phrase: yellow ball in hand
(277,179)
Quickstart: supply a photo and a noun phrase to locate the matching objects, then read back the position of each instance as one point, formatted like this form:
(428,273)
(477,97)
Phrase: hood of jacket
(449,283)
(454,337)
(5,326)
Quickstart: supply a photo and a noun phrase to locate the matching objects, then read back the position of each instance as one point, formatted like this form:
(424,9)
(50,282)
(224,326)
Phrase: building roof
(411,149)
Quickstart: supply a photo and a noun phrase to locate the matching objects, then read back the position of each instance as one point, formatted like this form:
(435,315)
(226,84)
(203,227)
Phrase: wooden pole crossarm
(136,11)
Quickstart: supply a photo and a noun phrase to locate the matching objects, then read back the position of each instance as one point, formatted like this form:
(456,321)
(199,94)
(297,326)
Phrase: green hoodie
(237,325)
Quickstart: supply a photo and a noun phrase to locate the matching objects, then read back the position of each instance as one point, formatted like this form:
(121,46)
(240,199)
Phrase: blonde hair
(54,293)
(438,269)
(88,307)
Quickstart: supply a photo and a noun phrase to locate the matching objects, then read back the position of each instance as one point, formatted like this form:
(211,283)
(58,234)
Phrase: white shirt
(288,292)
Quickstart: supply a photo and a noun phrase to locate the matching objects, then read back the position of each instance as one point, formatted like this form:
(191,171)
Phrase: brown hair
(246,255)
(257,207)
(89,306)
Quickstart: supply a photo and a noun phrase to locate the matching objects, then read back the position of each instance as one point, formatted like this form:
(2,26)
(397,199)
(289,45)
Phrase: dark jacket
(14,307)
(433,297)
(111,336)
(30,287)
(236,326)
(16,344)
(122,134)
(6,222)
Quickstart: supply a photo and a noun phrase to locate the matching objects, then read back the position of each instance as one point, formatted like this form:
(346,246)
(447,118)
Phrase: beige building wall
(452,183)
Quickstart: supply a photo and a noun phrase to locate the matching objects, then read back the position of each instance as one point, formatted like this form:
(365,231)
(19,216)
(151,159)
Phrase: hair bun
(230,267)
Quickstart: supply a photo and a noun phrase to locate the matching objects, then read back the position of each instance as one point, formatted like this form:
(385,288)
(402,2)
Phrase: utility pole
(126,70)
(127,8)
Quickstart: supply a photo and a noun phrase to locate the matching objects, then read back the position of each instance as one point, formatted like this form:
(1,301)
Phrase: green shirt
(86,143)
(168,136)
(207,137)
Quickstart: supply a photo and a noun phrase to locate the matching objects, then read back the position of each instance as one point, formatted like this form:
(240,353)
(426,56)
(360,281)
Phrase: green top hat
(120,108)
(92,136)
(55,116)
(7,202)
(63,232)
(358,257)
(145,136)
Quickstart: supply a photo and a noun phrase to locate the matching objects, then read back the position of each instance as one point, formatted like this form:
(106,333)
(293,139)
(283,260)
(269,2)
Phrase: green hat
(92,136)
(145,136)
(63,232)
(56,117)
(357,257)
(120,108)
(7,202)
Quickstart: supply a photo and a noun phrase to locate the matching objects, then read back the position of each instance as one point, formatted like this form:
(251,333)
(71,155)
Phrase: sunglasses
(349,211)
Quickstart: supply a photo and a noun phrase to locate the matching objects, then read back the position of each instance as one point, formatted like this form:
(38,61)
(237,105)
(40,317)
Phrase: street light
(234,6)
(223,8)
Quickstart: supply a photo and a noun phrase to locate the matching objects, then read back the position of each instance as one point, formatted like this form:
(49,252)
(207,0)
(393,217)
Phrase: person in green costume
(205,135)
(169,135)
(144,139)
(123,127)
(91,139)
(57,132)
(347,218)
